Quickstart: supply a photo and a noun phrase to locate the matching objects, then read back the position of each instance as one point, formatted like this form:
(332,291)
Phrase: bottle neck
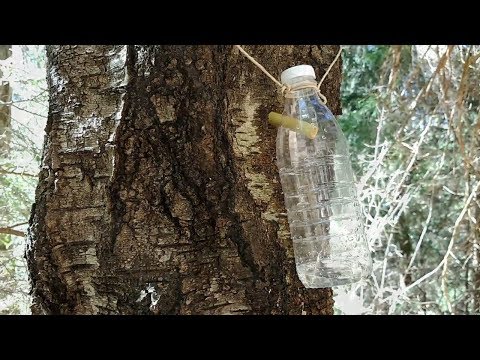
(302,86)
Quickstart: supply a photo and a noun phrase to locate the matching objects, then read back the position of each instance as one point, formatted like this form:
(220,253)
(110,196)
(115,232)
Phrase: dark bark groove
(159,192)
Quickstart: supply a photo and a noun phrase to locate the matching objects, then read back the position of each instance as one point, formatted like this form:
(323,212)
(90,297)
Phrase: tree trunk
(159,192)
(5,109)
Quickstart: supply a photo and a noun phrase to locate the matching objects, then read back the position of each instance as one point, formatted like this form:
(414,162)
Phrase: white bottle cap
(293,72)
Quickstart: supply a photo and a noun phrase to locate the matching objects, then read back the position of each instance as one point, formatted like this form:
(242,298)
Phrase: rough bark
(159,192)
(5,109)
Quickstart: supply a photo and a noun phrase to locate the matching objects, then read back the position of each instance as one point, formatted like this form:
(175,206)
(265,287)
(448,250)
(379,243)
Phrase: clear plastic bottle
(324,214)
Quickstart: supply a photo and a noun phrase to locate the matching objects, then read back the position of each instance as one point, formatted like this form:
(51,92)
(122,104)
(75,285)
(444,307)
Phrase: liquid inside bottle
(324,215)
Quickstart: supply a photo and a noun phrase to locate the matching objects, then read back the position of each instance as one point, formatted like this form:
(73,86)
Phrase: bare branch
(26,100)
(422,235)
(28,111)
(449,249)
(16,225)
(9,231)
(17,173)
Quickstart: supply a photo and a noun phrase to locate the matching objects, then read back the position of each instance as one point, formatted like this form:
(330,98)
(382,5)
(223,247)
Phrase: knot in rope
(287,90)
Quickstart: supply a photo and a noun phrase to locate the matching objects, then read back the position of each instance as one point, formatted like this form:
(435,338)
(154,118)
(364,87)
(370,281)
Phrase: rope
(286,89)
(330,67)
(247,55)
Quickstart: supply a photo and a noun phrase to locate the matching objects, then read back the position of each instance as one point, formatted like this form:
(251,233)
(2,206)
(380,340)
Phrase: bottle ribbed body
(324,215)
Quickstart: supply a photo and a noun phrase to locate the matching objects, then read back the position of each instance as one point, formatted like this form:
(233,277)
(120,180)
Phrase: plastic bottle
(324,215)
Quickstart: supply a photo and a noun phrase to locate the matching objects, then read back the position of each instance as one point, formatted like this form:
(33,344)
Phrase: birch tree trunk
(159,192)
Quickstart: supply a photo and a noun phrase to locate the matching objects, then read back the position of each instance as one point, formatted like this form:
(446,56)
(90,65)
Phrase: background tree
(414,112)
(158,188)
(5,99)
(24,72)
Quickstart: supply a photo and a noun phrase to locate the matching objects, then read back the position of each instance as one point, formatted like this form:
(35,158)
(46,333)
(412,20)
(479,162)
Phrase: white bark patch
(152,291)
(259,185)
(85,115)
(213,285)
(164,107)
(163,255)
(246,146)
(246,134)
(85,133)
(233,309)
(56,79)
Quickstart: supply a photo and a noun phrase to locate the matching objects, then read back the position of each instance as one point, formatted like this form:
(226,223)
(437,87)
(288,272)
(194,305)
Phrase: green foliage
(417,110)
(361,73)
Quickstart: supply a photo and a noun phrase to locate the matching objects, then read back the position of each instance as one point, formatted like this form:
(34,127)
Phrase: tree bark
(5,109)
(159,192)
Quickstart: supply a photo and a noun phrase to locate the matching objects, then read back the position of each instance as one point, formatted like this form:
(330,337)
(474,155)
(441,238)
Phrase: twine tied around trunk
(287,89)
